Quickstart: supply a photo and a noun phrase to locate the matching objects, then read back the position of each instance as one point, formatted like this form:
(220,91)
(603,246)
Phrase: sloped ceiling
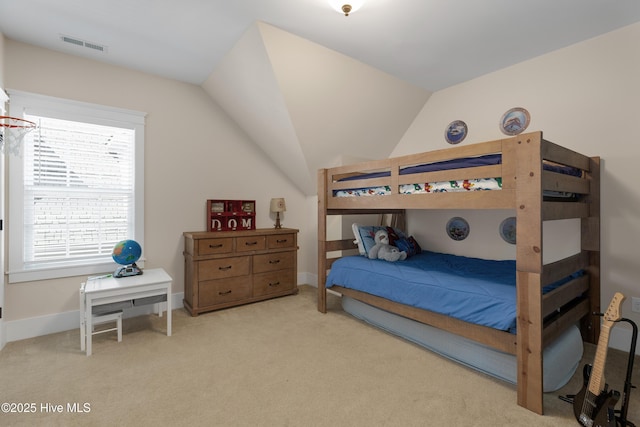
(308,107)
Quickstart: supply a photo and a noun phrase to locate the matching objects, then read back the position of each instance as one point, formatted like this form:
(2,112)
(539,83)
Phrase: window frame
(65,109)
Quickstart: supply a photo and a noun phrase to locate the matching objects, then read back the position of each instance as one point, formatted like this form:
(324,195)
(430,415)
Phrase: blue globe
(126,252)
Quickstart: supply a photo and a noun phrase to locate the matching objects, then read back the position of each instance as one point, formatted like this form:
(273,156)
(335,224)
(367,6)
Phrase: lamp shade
(278,205)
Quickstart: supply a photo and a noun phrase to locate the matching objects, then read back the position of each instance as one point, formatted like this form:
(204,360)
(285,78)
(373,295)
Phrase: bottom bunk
(474,290)
(561,357)
(471,308)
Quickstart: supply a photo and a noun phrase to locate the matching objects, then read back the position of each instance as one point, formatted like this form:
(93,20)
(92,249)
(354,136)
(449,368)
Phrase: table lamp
(277,206)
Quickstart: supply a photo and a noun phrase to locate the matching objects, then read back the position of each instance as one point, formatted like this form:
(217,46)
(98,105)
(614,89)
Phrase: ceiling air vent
(82,43)
(94,46)
(72,41)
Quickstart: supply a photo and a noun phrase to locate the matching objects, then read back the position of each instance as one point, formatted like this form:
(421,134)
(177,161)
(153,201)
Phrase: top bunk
(500,174)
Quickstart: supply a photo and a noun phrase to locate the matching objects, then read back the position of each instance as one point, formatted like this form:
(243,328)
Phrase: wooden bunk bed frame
(540,318)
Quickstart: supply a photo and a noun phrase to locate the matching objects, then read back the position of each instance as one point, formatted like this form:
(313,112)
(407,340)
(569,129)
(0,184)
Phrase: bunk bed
(532,181)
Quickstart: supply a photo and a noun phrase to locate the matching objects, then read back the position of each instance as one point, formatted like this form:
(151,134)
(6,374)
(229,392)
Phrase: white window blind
(76,191)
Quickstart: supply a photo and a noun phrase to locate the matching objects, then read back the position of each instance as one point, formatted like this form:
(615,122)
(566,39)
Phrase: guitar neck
(596,380)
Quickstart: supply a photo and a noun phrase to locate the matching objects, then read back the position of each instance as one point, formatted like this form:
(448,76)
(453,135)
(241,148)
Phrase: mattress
(475,290)
(479,184)
(560,359)
(482,184)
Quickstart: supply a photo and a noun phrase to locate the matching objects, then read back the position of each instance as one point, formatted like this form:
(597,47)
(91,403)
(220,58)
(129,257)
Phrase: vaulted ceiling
(307,106)
(429,43)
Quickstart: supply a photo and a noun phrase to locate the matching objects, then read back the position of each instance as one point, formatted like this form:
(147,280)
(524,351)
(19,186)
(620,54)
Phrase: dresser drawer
(273,261)
(269,283)
(281,241)
(214,292)
(214,246)
(251,243)
(222,268)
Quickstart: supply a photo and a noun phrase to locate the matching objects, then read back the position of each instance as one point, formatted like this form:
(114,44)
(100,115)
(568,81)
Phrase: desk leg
(82,314)
(82,336)
(169,310)
(88,319)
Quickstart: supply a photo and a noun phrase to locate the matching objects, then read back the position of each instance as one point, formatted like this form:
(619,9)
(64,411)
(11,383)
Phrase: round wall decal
(508,230)
(456,132)
(514,121)
(458,228)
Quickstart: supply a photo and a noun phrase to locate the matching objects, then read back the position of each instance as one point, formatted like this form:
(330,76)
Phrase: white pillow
(355,227)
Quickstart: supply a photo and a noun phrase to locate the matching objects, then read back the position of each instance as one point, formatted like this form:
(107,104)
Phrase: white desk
(106,290)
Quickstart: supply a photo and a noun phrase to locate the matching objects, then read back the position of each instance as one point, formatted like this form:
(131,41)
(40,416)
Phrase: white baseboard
(32,327)
(21,329)
(308,279)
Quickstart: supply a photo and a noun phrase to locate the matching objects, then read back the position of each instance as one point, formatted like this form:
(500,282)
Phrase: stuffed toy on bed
(383,250)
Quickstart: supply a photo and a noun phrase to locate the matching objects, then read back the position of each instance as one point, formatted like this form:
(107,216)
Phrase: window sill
(71,270)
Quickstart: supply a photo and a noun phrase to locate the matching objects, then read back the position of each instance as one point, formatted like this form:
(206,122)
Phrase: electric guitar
(593,405)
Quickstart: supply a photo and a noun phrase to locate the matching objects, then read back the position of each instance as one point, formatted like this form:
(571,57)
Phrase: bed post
(322,240)
(527,150)
(590,242)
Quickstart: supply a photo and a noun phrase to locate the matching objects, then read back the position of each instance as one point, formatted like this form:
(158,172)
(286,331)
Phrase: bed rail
(502,341)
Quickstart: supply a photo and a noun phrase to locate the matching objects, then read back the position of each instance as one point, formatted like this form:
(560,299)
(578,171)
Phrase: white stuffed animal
(383,250)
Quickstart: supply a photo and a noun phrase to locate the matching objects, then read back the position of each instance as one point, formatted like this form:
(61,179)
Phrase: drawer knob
(273,285)
(251,243)
(224,268)
(219,245)
(281,240)
(274,261)
(225,292)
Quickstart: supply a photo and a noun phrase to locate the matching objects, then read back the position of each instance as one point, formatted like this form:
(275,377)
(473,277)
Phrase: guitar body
(601,413)
(593,405)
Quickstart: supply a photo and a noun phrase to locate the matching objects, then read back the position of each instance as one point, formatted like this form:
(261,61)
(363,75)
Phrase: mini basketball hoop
(13,131)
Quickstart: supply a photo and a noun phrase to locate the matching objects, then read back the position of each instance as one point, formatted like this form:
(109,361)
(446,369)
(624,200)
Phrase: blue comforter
(462,163)
(474,290)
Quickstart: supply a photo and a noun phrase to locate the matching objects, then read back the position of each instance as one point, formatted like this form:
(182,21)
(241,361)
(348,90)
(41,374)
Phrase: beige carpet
(274,363)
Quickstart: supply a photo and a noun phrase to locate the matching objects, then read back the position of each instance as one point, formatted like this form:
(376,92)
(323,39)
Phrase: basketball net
(12,132)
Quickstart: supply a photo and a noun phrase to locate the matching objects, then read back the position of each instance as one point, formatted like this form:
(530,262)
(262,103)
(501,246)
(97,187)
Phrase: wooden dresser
(228,268)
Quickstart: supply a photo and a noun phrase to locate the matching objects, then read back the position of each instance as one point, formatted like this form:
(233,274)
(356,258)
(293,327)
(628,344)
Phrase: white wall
(193,152)
(584,97)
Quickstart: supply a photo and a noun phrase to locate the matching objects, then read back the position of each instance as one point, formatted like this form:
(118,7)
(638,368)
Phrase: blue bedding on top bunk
(461,163)
(475,290)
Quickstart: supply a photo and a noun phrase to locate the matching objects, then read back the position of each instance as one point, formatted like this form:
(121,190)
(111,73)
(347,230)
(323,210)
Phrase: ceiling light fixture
(346,6)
